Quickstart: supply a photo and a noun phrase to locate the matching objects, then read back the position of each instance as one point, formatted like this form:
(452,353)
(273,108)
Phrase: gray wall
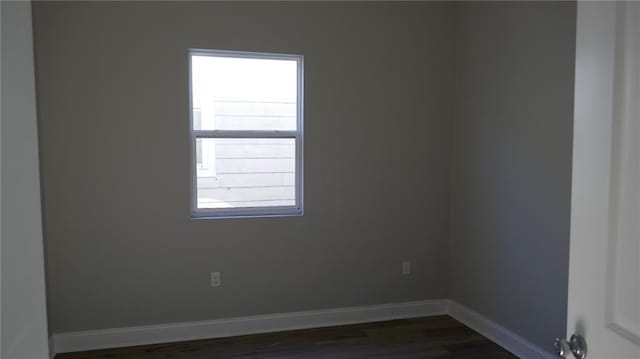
(511,180)
(113,97)
(24,317)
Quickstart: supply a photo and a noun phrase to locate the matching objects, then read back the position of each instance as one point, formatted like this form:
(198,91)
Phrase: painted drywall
(511,180)
(24,316)
(122,249)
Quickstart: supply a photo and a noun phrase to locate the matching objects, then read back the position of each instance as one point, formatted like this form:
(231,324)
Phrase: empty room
(320,179)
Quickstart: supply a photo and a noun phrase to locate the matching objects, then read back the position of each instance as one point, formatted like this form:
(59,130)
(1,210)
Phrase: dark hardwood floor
(433,337)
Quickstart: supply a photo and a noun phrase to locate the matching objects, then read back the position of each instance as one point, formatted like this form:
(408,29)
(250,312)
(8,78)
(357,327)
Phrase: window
(246,134)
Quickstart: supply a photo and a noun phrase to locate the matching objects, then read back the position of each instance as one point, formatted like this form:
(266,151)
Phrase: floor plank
(439,337)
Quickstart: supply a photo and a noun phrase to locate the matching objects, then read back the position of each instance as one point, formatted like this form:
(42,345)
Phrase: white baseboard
(502,336)
(52,349)
(165,333)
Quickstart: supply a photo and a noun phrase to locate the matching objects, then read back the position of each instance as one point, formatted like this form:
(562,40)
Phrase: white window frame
(250,212)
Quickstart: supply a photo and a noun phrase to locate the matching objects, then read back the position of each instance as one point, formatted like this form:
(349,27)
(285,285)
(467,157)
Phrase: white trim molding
(52,349)
(500,335)
(220,328)
(166,333)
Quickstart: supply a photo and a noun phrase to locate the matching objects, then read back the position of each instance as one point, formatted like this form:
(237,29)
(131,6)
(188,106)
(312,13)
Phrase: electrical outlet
(216,281)
(406,268)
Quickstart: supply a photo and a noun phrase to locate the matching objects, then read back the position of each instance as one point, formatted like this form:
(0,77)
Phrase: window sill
(246,214)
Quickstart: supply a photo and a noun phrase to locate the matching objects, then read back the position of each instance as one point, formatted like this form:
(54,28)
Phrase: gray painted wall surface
(24,316)
(511,180)
(113,97)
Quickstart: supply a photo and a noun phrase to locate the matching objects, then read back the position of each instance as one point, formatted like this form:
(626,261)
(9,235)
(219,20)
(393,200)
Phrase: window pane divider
(244,134)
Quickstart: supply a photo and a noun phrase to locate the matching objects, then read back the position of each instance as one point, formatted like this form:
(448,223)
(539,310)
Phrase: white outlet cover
(216,280)
(406,267)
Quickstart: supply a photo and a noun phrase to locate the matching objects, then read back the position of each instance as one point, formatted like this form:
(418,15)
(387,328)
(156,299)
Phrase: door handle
(577,345)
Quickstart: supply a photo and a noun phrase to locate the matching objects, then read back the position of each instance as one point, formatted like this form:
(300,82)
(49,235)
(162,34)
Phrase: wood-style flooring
(432,337)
